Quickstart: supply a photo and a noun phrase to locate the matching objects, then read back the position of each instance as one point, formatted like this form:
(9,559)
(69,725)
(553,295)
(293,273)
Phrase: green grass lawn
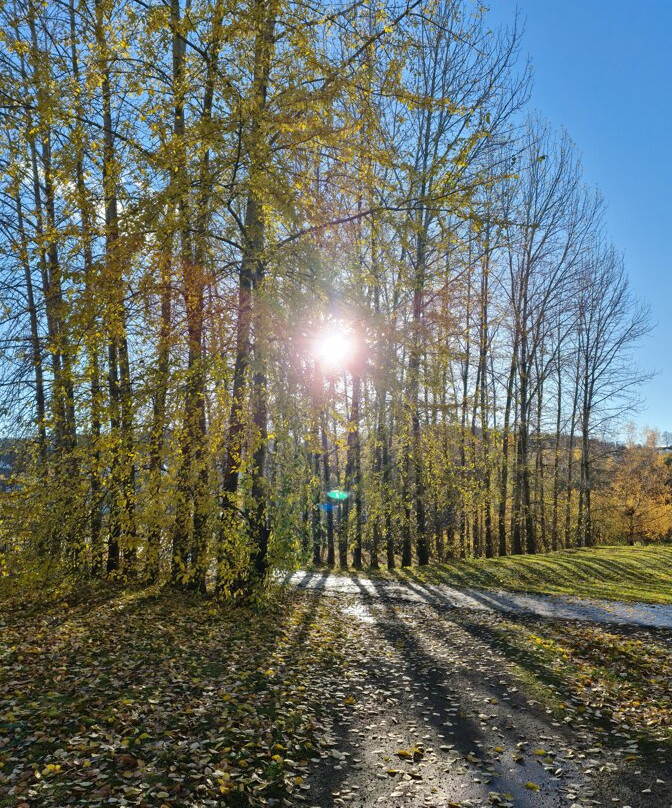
(613,573)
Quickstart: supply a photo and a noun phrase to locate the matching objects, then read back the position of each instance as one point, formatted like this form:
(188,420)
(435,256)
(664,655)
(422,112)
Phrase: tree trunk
(158,427)
(326,471)
(504,475)
(556,461)
(122,509)
(354,472)
(316,489)
(250,314)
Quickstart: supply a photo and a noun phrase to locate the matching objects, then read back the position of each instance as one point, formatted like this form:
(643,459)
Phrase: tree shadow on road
(655,761)
(467,736)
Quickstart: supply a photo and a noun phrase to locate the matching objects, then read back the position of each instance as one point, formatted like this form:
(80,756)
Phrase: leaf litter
(172,702)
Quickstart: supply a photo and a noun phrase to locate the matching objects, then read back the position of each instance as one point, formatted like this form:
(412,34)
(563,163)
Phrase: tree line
(196,195)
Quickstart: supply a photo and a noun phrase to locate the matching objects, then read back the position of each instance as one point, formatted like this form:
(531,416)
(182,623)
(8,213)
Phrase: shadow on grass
(608,573)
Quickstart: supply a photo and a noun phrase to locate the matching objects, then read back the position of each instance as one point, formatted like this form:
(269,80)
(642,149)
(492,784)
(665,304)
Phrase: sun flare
(335,347)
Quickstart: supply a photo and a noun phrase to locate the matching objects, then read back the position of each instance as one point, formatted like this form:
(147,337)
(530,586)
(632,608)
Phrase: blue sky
(603,70)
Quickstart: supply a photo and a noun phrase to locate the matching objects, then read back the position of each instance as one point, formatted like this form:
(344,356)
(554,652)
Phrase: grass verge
(615,679)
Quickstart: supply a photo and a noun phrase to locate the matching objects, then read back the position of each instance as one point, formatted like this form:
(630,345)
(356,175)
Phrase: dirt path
(432,713)
(550,606)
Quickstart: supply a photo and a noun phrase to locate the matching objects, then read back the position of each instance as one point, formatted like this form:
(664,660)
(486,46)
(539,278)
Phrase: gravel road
(429,709)
(555,607)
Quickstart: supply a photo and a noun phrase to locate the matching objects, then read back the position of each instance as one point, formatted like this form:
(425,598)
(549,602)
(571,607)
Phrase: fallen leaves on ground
(617,678)
(173,702)
(163,701)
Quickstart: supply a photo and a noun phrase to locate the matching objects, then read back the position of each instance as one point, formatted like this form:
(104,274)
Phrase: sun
(334,347)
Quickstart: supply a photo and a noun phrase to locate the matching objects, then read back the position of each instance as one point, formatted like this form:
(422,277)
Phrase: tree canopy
(257,253)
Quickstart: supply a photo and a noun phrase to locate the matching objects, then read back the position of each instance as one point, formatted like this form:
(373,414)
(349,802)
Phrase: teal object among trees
(339,496)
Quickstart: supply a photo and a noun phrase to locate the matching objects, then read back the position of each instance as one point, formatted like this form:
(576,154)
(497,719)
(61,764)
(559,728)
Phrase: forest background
(254,253)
